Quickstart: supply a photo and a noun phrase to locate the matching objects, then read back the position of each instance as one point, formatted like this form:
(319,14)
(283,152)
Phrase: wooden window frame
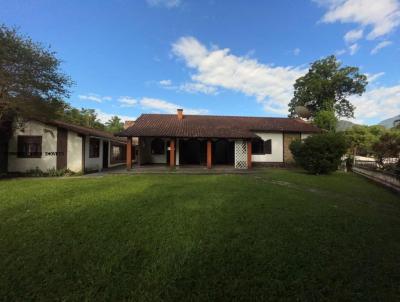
(26,140)
(263,147)
(268,146)
(94,143)
(255,147)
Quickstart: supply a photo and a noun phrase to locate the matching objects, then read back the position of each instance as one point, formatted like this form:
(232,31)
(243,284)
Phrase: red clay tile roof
(168,125)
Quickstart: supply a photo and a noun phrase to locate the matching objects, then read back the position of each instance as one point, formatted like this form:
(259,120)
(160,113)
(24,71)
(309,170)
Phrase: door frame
(106,151)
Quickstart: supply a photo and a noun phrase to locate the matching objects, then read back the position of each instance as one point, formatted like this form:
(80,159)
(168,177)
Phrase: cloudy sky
(222,57)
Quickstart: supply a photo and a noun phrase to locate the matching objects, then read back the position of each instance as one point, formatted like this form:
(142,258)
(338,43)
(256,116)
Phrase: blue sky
(129,57)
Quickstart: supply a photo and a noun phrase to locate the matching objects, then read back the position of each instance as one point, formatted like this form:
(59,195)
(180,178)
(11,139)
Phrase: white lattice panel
(240,155)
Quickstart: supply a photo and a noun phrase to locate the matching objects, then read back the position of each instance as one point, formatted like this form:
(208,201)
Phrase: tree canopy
(326,120)
(114,124)
(33,87)
(327,87)
(83,117)
(362,138)
(31,83)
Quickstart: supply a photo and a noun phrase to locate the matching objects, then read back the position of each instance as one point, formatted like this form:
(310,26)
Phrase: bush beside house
(319,154)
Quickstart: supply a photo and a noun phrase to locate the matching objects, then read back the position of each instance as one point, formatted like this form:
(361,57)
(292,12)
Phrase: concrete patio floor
(185,169)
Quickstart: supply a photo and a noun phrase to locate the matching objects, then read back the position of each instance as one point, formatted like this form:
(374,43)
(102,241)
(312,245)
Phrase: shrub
(320,153)
(61,172)
(49,172)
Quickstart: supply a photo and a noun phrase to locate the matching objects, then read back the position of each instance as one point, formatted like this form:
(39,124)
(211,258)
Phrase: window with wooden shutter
(29,146)
(268,147)
(257,146)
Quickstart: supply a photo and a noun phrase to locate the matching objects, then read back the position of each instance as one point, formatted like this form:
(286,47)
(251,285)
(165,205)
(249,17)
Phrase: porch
(190,152)
(160,169)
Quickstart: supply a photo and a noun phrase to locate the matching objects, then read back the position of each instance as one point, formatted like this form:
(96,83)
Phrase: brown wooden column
(249,155)
(172,153)
(129,153)
(209,154)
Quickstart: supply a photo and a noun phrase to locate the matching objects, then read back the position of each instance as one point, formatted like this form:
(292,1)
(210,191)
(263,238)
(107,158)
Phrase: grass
(278,235)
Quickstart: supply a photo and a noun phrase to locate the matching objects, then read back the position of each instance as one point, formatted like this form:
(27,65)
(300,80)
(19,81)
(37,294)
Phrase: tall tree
(82,117)
(114,125)
(362,138)
(326,87)
(325,119)
(388,147)
(31,84)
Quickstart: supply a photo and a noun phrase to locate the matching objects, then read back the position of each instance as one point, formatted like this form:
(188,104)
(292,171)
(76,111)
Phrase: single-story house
(178,139)
(60,145)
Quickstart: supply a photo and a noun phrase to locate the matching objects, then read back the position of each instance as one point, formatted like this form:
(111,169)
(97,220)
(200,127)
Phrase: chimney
(128,124)
(179,112)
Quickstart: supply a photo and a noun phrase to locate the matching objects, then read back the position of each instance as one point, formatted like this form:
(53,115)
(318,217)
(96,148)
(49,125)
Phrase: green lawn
(269,236)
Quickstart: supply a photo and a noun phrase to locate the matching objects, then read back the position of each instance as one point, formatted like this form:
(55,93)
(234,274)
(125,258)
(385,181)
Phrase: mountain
(389,123)
(344,125)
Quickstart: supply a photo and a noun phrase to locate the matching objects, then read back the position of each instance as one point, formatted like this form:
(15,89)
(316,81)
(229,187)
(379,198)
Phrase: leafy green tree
(326,120)
(326,87)
(83,117)
(31,84)
(319,153)
(377,131)
(361,138)
(114,125)
(388,146)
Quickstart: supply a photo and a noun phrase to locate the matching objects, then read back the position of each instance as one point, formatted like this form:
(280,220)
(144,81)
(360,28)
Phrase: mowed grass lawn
(279,234)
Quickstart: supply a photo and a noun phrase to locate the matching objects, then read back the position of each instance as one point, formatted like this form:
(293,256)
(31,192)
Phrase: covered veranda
(190,152)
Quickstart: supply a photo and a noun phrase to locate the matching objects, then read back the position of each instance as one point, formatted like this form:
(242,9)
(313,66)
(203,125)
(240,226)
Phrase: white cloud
(353,48)
(127,101)
(382,16)
(164,3)
(94,97)
(163,106)
(296,51)
(374,77)
(104,117)
(378,103)
(340,52)
(380,45)
(188,87)
(165,82)
(353,35)
(271,85)
(197,87)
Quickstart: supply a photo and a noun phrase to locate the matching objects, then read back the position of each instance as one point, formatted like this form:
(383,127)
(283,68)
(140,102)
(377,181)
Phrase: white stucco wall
(49,144)
(74,152)
(304,135)
(276,148)
(95,163)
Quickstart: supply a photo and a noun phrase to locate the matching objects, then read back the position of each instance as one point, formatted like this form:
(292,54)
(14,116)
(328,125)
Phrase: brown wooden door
(3,156)
(62,148)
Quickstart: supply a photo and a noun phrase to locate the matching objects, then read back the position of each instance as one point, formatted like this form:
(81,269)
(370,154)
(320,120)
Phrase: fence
(374,171)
